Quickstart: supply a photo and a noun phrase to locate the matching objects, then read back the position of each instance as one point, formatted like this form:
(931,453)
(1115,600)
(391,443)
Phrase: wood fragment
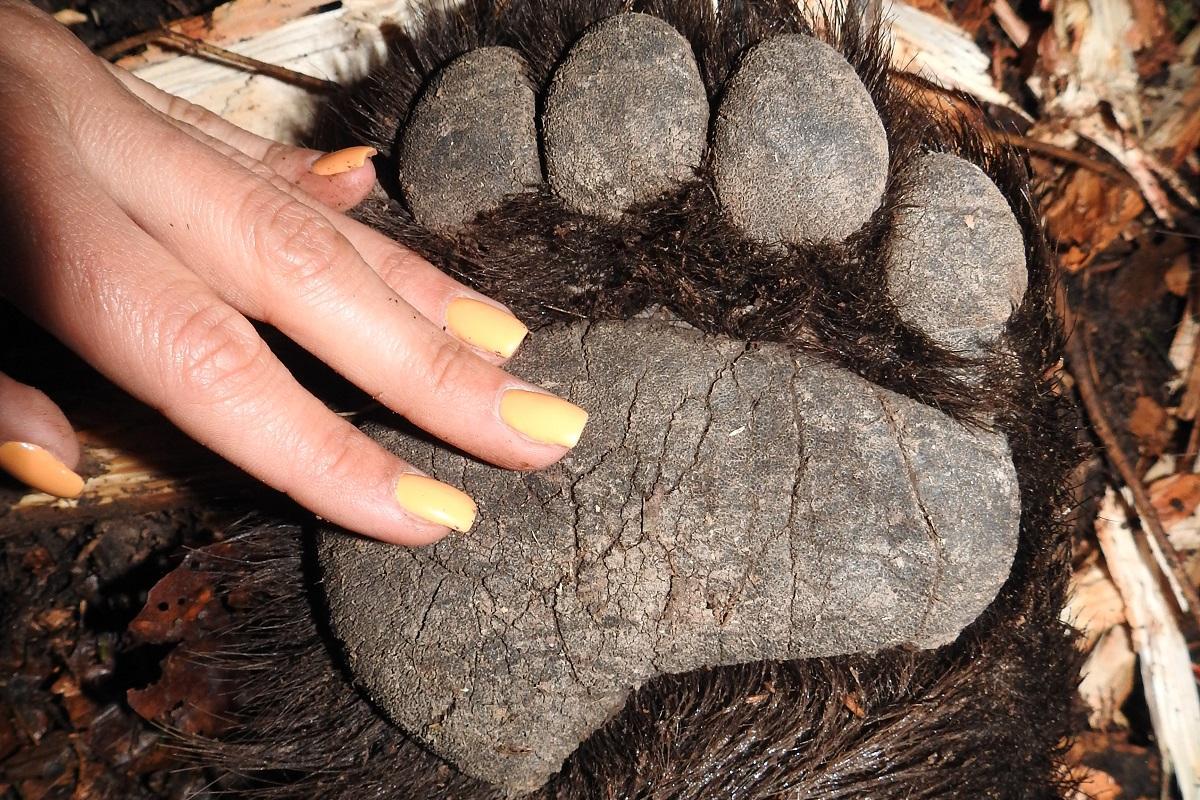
(1189,403)
(1094,605)
(1165,661)
(136,465)
(1011,23)
(234,21)
(940,51)
(1136,162)
(69,17)
(1107,678)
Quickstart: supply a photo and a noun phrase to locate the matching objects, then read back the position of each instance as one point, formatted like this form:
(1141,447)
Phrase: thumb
(37,445)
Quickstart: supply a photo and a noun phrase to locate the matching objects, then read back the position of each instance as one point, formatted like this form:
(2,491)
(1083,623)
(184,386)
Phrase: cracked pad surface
(470,143)
(799,151)
(728,504)
(626,116)
(956,269)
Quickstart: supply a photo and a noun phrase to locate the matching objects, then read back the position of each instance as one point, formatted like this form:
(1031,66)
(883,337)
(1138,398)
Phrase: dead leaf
(184,607)
(1175,497)
(190,696)
(1087,212)
(1094,784)
(1151,424)
(184,600)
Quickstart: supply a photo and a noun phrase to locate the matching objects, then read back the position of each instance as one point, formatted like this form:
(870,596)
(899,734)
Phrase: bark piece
(799,151)
(471,140)
(956,268)
(626,117)
(726,504)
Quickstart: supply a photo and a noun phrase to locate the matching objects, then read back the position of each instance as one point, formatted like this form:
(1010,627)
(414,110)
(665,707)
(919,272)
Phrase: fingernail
(340,161)
(39,469)
(543,417)
(484,326)
(437,502)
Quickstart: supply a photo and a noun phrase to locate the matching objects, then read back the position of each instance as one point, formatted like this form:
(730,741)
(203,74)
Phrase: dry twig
(1165,662)
(195,47)
(1057,153)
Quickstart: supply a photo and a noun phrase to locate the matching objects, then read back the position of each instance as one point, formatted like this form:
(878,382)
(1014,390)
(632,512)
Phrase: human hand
(146,233)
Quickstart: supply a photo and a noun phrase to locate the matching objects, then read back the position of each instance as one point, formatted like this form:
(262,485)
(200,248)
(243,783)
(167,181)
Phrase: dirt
(68,595)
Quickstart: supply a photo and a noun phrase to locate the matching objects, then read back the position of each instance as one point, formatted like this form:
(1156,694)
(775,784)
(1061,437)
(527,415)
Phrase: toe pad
(626,117)
(471,140)
(956,269)
(799,152)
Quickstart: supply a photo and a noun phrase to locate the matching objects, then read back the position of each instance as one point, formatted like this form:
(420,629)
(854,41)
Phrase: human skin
(146,234)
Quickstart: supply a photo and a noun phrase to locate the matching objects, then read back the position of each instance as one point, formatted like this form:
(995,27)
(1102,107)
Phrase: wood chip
(1107,679)
(1165,663)
(69,16)
(1094,605)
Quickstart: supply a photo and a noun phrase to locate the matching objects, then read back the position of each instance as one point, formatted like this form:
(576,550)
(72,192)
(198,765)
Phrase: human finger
(37,444)
(130,309)
(341,179)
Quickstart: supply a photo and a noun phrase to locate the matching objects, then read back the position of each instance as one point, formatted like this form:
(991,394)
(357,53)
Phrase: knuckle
(28,23)
(395,269)
(300,250)
(275,153)
(449,367)
(338,456)
(187,113)
(214,356)
(262,171)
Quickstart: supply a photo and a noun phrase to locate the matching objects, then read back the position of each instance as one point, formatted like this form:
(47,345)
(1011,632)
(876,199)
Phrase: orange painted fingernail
(485,326)
(340,161)
(36,467)
(436,502)
(543,417)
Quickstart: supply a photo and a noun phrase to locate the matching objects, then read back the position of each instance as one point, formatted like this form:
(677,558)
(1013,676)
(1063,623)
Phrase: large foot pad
(728,504)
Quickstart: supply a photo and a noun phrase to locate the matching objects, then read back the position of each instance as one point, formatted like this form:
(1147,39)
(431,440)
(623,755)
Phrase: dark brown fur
(985,717)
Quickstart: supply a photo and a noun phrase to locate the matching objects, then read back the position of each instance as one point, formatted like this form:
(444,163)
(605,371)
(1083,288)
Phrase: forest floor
(1105,96)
